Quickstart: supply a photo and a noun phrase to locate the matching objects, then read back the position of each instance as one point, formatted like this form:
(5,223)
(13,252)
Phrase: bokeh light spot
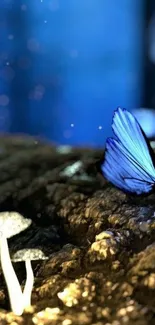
(10,37)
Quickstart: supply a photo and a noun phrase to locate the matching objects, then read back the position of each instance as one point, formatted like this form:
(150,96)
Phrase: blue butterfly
(129,159)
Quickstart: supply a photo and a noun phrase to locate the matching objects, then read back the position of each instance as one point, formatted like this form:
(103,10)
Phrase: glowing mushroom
(28,255)
(11,224)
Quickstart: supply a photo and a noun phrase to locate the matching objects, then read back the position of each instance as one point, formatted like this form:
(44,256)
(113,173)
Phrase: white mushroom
(11,223)
(28,255)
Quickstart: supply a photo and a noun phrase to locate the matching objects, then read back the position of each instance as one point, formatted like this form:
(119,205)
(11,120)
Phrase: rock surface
(100,241)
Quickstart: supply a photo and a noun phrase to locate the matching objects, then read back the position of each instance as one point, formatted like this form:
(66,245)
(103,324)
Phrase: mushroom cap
(12,223)
(25,254)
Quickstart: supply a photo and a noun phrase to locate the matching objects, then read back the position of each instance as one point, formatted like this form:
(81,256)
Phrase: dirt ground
(99,241)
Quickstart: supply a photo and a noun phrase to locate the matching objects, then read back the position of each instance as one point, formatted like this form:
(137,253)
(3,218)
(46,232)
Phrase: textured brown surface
(100,242)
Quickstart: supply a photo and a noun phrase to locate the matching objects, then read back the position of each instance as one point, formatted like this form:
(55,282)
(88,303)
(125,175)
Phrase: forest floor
(99,241)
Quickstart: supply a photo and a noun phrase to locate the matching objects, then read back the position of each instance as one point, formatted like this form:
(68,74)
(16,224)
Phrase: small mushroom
(11,224)
(28,255)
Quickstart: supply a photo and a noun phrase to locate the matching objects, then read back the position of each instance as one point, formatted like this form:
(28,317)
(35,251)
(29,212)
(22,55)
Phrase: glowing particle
(100,127)
(45,21)
(72,125)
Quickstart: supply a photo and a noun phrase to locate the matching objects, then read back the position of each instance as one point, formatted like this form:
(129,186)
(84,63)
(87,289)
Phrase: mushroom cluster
(11,224)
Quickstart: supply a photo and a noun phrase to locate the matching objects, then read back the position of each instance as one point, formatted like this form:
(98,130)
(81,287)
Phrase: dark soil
(100,241)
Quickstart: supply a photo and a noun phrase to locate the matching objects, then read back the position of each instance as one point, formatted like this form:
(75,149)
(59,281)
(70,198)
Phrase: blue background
(65,65)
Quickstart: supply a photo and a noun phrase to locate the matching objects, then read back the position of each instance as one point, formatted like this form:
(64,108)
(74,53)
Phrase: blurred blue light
(146,118)
(74,62)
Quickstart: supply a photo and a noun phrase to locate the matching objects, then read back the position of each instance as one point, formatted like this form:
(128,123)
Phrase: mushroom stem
(28,284)
(13,285)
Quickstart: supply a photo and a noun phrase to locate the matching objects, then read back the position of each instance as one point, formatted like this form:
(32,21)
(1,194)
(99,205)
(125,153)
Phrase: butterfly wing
(128,164)
(128,131)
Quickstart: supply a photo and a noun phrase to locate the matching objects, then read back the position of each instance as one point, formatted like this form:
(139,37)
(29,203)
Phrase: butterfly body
(129,159)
